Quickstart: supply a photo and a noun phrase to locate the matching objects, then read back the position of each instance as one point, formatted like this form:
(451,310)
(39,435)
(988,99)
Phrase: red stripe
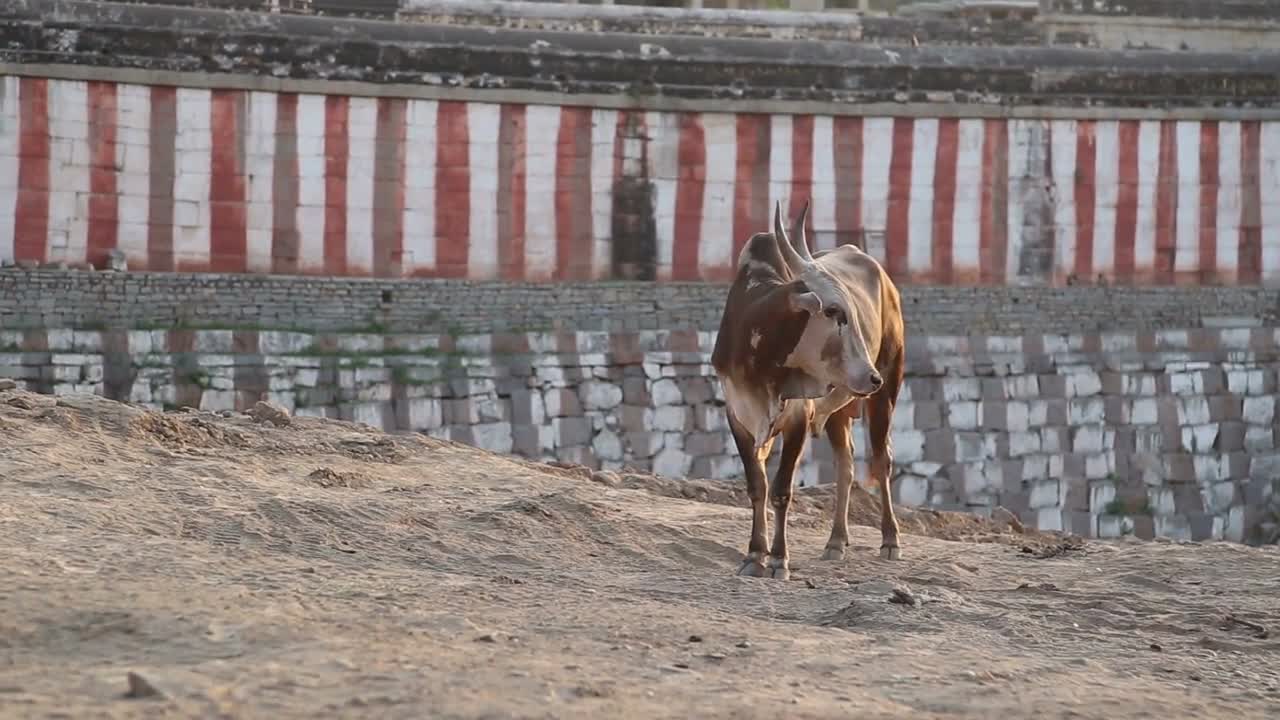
(1086,192)
(512,156)
(1167,204)
(335,184)
(848,163)
(1250,244)
(1208,200)
(944,199)
(750,204)
(104,208)
(1127,202)
(690,184)
(573,195)
(802,169)
(453,189)
(31,213)
(994,218)
(898,221)
(227,230)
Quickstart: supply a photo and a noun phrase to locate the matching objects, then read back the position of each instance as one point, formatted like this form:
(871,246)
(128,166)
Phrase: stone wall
(1171,433)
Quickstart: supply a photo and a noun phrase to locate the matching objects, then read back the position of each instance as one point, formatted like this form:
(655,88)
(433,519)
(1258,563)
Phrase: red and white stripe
(233,181)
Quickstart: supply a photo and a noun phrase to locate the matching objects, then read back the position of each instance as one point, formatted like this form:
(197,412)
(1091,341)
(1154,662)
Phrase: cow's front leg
(838,432)
(879,420)
(758,490)
(793,442)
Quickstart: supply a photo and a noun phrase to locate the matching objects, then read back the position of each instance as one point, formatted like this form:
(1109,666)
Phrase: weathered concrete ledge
(1178,9)
(282,46)
(631,19)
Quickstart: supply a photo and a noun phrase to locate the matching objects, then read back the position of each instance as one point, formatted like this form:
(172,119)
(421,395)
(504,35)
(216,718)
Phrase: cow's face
(832,351)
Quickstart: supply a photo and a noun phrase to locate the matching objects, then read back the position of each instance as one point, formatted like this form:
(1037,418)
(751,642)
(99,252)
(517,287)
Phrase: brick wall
(229,180)
(77,299)
(1171,433)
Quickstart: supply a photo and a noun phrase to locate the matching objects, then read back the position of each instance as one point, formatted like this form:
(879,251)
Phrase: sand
(193,565)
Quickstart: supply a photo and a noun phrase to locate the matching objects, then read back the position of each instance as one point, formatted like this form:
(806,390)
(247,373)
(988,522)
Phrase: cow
(808,342)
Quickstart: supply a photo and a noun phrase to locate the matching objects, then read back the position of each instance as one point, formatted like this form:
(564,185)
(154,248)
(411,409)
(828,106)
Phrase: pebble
(140,687)
(7,384)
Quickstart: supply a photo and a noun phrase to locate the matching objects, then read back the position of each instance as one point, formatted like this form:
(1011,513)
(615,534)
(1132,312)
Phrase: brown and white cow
(808,340)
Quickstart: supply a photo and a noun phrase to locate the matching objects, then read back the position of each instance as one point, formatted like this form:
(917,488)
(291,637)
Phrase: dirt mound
(199,565)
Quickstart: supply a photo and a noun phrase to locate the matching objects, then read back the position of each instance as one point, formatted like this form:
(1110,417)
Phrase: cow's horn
(793,259)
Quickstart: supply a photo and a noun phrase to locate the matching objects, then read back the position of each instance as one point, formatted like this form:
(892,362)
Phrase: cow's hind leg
(757,489)
(793,441)
(838,433)
(880,408)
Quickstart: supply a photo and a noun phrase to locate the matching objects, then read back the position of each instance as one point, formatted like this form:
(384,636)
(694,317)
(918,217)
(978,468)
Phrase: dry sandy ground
(324,570)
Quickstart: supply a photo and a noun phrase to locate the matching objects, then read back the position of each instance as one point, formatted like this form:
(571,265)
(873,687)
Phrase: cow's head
(832,351)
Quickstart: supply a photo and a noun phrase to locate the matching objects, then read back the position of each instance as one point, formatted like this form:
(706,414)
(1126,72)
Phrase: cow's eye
(830,312)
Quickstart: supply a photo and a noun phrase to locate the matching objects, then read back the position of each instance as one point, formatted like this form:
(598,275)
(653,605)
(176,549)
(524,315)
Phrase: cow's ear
(805,302)
(800,385)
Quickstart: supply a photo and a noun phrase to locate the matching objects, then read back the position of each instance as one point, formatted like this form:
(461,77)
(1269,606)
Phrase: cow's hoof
(833,553)
(778,569)
(752,566)
(890,553)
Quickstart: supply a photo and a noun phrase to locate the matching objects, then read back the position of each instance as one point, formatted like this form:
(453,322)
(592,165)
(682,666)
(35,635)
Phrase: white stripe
(715,243)
(664,129)
(1228,199)
(483,120)
(781,137)
(192,175)
(1065,137)
(1187,257)
(1024,135)
(259,165)
(1269,180)
(311,185)
(362,143)
(133,182)
(420,186)
(824,184)
(924,154)
(10,135)
(70,158)
(604,131)
(542,132)
(1144,242)
(1106,194)
(877,152)
(966,229)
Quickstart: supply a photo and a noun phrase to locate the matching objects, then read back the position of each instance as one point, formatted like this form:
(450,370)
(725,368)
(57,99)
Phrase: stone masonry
(1169,433)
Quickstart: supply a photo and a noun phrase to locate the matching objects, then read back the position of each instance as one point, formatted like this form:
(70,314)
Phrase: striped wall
(233,181)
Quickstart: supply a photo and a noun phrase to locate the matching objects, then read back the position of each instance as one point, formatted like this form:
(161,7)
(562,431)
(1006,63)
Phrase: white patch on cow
(755,339)
(759,414)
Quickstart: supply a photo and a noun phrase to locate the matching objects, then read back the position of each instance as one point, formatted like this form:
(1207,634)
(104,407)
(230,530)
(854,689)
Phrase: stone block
(493,436)
(1259,410)
(1098,466)
(600,395)
(908,446)
(666,392)
(1173,527)
(1265,467)
(1211,468)
(1049,520)
(571,431)
(672,418)
(671,462)
(642,443)
(963,415)
(1046,493)
(1086,411)
(911,490)
(1087,439)
(635,391)
(425,413)
(561,402)
(1022,387)
(1202,526)
(1200,438)
(695,390)
(957,389)
(940,446)
(706,443)
(1259,439)
(607,445)
(928,415)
